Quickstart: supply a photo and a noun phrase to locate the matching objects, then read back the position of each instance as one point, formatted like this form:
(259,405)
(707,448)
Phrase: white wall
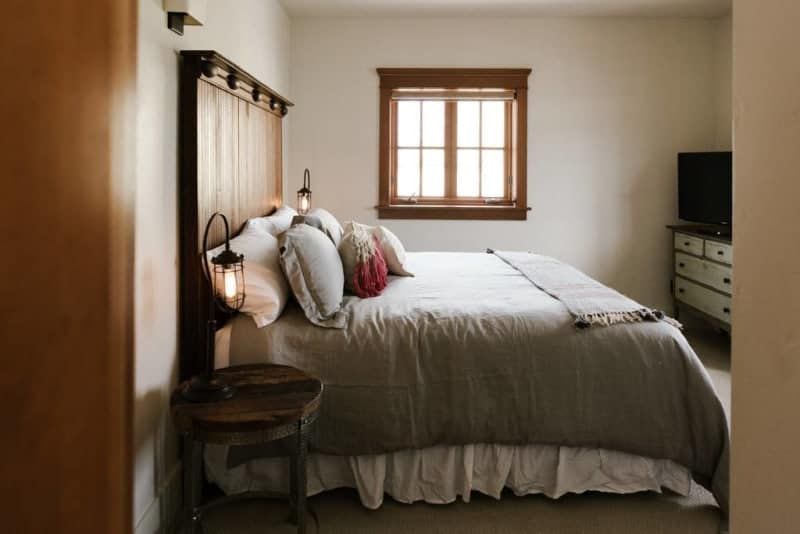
(612,101)
(254,34)
(766,293)
(723,52)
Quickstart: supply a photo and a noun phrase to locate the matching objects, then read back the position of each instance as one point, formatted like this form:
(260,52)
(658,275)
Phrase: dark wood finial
(256,95)
(273,104)
(208,69)
(233,82)
(284,110)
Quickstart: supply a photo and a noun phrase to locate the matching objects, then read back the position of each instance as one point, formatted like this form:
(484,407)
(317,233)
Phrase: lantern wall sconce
(225,277)
(304,194)
(182,13)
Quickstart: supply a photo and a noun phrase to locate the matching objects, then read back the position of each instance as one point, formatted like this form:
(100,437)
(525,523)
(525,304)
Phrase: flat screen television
(705,187)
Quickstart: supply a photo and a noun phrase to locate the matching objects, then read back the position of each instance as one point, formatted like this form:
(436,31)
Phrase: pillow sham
(365,271)
(266,290)
(310,220)
(330,225)
(275,224)
(314,271)
(393,251)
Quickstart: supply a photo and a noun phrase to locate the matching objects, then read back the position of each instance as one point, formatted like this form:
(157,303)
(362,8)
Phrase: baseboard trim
(163,511)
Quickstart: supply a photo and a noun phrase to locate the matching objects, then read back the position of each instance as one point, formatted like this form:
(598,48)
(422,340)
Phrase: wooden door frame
(68,124)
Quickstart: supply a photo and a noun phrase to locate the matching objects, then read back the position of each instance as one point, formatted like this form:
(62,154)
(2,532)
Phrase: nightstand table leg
(293,487)
(192,484)
(299,477)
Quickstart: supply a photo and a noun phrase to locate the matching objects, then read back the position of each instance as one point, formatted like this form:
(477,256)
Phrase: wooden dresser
(702,279)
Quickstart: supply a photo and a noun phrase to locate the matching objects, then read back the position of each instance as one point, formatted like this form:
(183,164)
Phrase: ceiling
(503,8)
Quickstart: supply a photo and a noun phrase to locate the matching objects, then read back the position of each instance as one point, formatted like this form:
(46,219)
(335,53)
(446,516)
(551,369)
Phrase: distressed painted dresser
(702,280)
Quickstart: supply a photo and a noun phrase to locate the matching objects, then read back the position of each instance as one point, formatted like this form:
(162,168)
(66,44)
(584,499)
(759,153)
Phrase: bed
(469,365)
(465,377)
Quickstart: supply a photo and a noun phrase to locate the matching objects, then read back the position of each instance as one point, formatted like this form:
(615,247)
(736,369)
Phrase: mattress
(470,351)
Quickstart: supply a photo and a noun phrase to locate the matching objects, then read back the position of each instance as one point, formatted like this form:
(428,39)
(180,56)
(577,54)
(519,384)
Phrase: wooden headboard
(231,144)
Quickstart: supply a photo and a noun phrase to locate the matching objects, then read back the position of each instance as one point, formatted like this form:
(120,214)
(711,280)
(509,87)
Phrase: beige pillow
(393,251)
(330,225)
(314,271)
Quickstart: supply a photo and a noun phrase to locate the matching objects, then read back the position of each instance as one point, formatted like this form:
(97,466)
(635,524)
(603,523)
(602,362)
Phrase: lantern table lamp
(304,194)
(226,281)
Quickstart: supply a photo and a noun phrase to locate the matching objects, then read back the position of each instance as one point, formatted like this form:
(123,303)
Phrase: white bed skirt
(441,474)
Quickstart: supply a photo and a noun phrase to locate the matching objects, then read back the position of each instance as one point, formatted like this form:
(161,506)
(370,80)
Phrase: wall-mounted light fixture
(182,13)
(304,194)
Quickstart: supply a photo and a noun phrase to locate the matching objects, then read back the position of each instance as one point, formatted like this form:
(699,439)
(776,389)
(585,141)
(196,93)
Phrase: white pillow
(275,224)
(265,287)
(393,251)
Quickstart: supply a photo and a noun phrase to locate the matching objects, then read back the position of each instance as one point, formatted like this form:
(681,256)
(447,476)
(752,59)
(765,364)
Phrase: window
(452,143)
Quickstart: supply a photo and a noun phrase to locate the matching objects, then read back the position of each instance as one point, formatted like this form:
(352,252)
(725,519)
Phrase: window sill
(482,213)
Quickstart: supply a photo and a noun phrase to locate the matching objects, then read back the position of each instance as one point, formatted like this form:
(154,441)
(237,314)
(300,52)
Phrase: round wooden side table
(272,402)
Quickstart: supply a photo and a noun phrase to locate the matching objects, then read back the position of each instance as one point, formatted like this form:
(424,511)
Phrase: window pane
(468,123)
(407,172)
(493,124)
(433,172)
(468,179)
(433,123)
(408,123)
(492,173)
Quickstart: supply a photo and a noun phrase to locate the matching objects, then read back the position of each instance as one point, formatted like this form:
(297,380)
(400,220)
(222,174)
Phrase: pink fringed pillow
(365,270)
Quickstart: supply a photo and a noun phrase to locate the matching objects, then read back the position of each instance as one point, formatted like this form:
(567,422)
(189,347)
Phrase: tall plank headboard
(230,129)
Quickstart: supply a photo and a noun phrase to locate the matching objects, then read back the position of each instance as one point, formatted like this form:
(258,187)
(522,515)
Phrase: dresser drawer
(706,300)
(689,243)
(711,274)
(722,252)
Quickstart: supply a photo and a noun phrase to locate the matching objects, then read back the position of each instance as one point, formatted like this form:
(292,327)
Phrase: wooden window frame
(513,205)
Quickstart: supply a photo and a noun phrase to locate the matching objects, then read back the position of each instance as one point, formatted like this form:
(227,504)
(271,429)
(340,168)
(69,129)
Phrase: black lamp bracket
(216,214)
(175,21)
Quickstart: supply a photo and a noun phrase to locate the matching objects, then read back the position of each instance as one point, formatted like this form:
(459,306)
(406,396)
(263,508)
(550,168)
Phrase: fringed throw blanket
(590,302)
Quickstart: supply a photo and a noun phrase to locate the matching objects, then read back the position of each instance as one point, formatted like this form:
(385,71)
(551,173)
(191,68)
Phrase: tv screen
(705,187)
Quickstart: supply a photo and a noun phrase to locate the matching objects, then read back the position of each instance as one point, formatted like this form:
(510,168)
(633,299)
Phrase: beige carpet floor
(340,512)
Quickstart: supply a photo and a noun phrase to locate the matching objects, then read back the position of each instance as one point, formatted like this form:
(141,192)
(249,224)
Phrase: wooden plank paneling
(256,179)
(226,132)
(231,161)
(217,158)
(239,164)
(274,148)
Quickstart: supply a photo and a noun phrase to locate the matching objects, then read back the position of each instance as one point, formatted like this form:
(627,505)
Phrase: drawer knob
(726,280)
(720,253)
(726,310)
(686,243)
(681,265)
(680,290)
